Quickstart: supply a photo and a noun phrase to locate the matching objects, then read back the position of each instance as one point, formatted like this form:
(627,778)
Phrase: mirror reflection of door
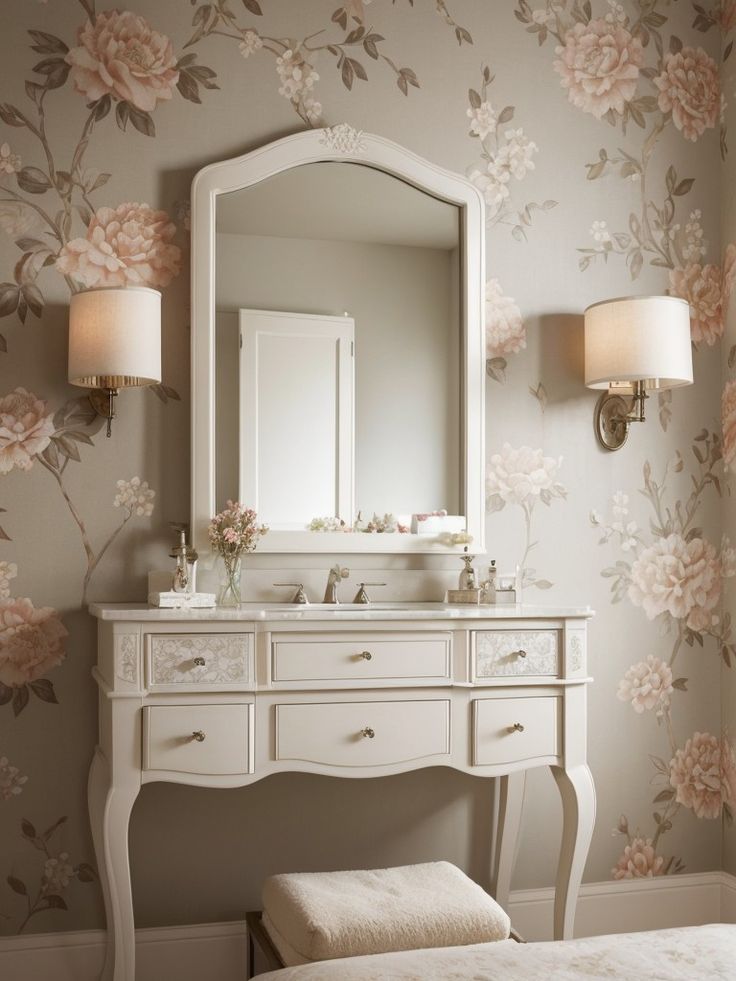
(296,416)
(325,238)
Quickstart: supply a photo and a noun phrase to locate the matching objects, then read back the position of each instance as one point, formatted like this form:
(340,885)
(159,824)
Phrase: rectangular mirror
(337,346)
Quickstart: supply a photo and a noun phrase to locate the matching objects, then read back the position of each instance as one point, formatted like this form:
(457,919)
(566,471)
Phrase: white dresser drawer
(207,662)
(500,653)
(362,658)
(201,739)
(514,730)
(356,734)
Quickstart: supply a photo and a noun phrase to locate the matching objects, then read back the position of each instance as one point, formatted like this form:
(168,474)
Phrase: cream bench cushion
(315,916)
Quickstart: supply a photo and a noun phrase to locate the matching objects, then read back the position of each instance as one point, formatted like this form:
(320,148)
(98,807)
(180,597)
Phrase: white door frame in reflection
(339,143)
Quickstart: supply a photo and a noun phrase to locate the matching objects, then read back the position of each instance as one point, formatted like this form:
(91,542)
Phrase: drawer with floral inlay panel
(199,662)
(515,653)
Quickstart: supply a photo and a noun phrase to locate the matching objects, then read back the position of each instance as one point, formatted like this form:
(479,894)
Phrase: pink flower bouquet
(232,533)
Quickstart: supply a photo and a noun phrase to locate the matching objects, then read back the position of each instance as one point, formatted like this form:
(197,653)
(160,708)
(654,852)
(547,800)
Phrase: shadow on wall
(562,356)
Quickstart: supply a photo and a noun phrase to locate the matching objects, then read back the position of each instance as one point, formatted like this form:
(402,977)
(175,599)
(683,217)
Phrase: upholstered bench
(318,916)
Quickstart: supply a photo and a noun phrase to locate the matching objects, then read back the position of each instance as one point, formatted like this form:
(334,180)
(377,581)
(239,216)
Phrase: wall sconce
(632,345)
(114,343)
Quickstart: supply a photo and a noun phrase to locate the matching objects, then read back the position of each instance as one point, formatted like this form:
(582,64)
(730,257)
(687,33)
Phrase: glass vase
(230,586)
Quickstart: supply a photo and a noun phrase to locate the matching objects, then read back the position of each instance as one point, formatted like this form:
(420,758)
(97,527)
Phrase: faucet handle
(299,596)
(340,572)
(361,596)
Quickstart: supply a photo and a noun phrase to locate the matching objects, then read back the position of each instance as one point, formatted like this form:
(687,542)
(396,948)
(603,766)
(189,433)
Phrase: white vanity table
(289,243)
(217,698)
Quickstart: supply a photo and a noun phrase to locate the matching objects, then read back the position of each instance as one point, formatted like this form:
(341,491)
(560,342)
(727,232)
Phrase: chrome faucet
(334,576)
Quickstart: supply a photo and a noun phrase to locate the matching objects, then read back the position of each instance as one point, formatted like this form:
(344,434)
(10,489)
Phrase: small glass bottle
(489,586)
(183,579)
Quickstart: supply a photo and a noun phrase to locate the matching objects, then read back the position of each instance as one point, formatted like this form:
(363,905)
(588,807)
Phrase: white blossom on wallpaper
(56,872)
(673,573)
(12,780)
(623,69)
(296,59)
(524,477)
(505,330)
(506,157)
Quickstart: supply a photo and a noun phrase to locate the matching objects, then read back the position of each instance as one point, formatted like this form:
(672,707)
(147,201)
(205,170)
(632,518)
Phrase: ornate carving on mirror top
(343,138)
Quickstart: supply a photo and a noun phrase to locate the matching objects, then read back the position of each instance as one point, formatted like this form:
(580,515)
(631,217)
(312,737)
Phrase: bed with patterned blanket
(705,953)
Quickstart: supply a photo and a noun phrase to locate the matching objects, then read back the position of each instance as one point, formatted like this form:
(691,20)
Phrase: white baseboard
(631,904)
(187,953)
(218,950)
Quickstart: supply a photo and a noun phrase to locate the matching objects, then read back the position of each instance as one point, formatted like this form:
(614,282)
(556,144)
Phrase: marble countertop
(253,612)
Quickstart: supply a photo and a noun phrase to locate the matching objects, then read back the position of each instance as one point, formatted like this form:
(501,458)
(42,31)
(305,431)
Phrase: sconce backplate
(611,422)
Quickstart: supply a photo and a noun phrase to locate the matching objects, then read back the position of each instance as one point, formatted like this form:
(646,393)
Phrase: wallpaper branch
(596,132)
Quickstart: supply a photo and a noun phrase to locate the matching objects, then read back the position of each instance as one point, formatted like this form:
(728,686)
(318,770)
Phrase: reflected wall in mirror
(337,345)
(318,420)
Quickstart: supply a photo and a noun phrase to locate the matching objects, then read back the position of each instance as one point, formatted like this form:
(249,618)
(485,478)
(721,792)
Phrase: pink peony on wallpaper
(598,134)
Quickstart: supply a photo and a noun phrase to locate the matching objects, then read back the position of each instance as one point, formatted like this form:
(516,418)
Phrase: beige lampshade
(115,338)
(638,338)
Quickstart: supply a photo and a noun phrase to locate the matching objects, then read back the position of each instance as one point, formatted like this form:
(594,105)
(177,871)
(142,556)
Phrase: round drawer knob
(517,727)
(198,735)
(367,733)
(519,653)
(366,655)
(199,662)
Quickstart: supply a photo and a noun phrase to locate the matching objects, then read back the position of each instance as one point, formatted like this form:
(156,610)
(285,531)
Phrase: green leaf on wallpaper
(32,180)
(44,689)
(506,115)
(9,296)
(56,71)
(406,78)
(10,115)
(370,45)
(254,7)
(339,17)
(684,186)
(462,35)
(47,43)
(663,795)
(34,90)
(142,121)
(85,872)
(20,699)
(474,99)
(496,369)
(17,885)
(100,108)
(27,828)
(680,684)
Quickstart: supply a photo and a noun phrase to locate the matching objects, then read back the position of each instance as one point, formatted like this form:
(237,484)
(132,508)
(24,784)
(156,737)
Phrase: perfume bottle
(466,579)
(489,586)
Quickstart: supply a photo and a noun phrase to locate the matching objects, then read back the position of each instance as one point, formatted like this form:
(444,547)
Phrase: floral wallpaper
(596,132)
